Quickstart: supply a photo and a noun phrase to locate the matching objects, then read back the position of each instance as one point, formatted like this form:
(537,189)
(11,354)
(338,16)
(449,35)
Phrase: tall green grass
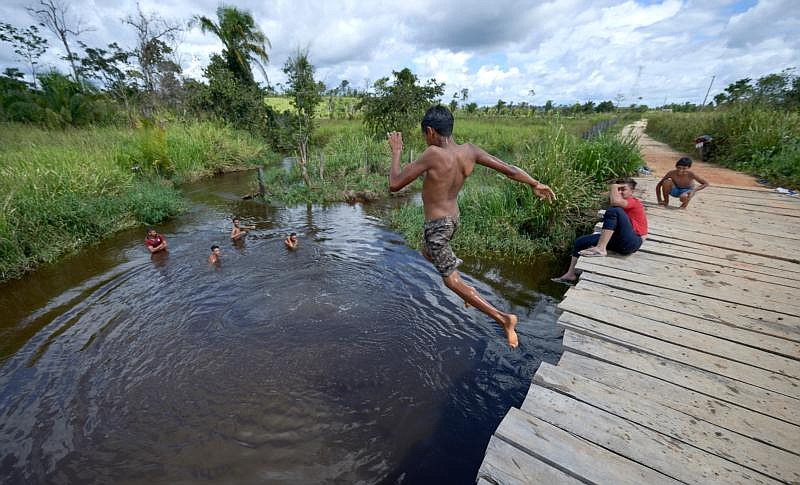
(761,141)
(62,190)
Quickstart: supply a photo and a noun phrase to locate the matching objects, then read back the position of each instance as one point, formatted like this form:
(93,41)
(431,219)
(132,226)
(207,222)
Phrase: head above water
(215,248)
(293,236)
(440,119)
(151,232)
(684,162)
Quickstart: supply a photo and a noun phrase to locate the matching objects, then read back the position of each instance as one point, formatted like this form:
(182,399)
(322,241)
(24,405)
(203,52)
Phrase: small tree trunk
(303,148)
(261,188)
(321,166)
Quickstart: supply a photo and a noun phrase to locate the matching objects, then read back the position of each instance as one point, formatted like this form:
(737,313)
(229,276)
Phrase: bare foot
(509,324)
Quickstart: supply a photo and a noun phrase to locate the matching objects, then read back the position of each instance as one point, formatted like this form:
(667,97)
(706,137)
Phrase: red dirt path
(660,158)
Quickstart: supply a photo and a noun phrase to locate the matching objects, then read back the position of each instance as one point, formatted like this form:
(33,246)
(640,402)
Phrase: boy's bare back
(449,167)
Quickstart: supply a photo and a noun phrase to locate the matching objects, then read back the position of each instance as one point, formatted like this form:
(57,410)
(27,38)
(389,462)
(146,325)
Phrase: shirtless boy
(679,183)
(239,231)
(213,258)
(291,241)
(446,166)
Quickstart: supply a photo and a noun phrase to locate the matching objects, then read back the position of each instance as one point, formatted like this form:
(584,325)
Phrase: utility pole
(708,91)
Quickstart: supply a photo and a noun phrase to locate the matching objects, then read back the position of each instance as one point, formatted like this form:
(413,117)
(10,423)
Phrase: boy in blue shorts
(679,183)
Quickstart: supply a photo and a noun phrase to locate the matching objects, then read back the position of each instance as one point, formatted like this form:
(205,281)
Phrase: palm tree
(243,40)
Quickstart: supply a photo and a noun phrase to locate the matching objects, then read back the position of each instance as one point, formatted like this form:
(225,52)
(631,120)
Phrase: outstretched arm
(514,173)
(399,178)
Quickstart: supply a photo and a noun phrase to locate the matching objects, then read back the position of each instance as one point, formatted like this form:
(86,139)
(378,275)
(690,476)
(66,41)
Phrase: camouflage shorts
(436,244)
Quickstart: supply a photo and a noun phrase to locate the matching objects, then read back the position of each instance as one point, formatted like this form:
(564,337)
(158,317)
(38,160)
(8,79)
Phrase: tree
(109,67)
(154,39)
(243,40)
(548,106)
(604,107)
(399,106)
(306,94)
(464,96)
(27,44)
(52,14)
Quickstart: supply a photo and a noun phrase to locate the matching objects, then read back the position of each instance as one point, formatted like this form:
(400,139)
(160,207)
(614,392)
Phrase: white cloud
(567,50)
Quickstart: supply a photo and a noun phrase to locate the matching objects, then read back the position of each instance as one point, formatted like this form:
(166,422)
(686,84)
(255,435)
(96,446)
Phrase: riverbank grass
(63,190)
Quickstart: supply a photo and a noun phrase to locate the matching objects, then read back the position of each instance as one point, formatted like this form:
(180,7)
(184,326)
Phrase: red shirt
(635,212)
(155,241)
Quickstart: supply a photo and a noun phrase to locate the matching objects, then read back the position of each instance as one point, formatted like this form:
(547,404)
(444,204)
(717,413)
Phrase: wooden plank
(717,287)
(759,457)
(617,310)
(662,453)
(508,464)
(711,384)
(733,227)
(735,418)
(755,319)
(572,454)
(657,249)
(773,248)
(658,266)
(756,376)
(732,256)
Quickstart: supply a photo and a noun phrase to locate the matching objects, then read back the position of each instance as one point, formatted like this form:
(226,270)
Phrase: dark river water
(346,361)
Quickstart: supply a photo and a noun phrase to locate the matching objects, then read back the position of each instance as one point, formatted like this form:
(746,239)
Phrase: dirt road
(660,158)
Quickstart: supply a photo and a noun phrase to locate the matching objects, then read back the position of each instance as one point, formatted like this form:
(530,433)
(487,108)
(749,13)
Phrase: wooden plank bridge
(681,362)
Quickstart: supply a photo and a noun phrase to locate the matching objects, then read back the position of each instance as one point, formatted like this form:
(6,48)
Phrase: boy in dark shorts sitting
(624,228)
(446,166)
(679,183)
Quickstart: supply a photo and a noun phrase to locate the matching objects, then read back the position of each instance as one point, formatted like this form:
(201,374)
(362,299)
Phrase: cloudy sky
(640,51)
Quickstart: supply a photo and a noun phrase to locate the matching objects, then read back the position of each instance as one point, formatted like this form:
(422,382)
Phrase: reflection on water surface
(344,361)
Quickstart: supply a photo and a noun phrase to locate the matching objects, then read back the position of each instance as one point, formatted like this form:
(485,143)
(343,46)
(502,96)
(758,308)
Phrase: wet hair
(214,247)
(684,162)
(236,219)
(293,234)
(626,181)
(151,229)
(440,119)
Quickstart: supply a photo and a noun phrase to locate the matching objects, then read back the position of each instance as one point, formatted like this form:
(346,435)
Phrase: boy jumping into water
(446,166)
(679,183)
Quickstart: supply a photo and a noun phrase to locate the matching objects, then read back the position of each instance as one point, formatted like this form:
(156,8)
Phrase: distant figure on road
(679,183)
(446,166)
(624,228)
(154,241)
(291,241)
(239,231)
(213,258)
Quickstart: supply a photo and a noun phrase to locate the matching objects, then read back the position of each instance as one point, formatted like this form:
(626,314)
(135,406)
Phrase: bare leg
(685,198)
(605,236)
(666,188)
(570,275)
(471,297)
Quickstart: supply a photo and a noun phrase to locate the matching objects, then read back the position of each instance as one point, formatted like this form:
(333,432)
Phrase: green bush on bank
(760,141)
(66,189)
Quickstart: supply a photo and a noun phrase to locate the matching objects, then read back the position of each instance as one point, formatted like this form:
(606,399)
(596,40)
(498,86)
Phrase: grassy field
(331,107)
(65,189)
(759,141)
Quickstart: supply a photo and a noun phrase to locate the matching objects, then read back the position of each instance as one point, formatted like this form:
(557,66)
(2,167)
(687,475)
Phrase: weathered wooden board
(667,455)
(756,376)
(755,319)
(749,453)
(718,287)
(572,454)
(509,465)
(618,311)
(727,415)
(711,384)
